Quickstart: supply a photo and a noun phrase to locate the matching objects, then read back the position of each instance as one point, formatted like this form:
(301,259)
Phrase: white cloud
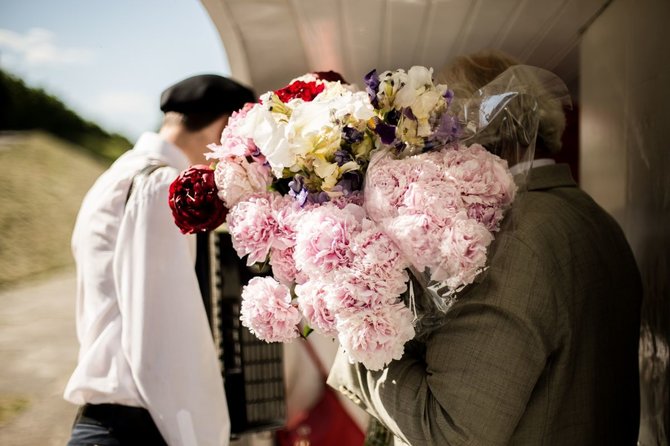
(38,47)
(126,102)
(127,111)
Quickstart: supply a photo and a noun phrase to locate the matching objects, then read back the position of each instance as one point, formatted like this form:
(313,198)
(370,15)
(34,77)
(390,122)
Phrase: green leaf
(306,330)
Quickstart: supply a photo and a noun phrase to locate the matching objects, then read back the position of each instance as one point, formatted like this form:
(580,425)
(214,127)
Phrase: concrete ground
(38,351)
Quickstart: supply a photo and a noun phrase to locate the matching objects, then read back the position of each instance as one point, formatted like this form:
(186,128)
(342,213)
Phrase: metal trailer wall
(625,166)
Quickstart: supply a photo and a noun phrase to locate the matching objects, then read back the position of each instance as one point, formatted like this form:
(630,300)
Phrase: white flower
(269,135)
(421,96)
(346,103)
(415,85)
(311,131)
(389,84)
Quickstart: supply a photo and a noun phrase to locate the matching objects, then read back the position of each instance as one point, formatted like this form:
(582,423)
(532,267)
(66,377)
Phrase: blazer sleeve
(469,383)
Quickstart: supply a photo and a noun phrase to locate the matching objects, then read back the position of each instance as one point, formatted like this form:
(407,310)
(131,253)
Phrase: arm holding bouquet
(542,347)
(470,381)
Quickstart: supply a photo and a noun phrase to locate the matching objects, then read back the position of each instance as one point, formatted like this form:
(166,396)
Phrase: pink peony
(267,310)
(283,266)
(462,252)
(262,222)
(481,176)
(489,215)
(323,238)
(376,336)
(438,198)
(288,214)
(379,261)
(392,184)
(313,303)
(237,179)
(351,291)
(375,285)
(418,238)
(342,201)
(232,143)
(386,182)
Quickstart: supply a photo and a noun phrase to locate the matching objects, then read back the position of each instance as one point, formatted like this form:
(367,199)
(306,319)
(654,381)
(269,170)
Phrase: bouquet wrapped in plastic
(374,209)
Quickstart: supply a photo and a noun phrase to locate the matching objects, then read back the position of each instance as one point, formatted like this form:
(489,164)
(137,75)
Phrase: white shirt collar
(154,145)
(527,165)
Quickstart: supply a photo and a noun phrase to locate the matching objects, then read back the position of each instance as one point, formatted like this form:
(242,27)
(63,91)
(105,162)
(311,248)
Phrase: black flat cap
(206,93)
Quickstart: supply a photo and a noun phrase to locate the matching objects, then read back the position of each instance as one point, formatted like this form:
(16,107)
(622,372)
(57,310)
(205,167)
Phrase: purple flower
(297,189)
(342,157)
(386,132)
(351,181)
(447,129)
(351,135)
(300,197)
(317,197)
(448,96)
(372,86)
(393,117)
(296,185)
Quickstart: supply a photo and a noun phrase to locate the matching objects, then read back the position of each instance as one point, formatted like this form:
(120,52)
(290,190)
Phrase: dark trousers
(114,425)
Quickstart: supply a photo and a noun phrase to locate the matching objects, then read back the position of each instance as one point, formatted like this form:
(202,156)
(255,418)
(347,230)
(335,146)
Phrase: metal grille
(252,369)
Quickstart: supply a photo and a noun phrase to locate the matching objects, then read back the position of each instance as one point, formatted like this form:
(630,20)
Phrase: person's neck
(188,142)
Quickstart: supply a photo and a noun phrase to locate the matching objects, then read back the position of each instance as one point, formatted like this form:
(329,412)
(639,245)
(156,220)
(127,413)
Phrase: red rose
(330,76)
(306,91)
(194,201)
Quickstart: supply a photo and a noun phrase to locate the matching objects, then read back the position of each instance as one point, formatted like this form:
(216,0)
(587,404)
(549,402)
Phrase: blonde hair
(467,74)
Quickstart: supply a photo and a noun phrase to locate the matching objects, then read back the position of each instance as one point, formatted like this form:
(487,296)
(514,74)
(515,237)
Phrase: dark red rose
(306,91)
(194,201)
(330,76)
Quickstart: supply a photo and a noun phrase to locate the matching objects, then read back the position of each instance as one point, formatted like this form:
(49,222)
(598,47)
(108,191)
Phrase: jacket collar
(158,148)
(548,177)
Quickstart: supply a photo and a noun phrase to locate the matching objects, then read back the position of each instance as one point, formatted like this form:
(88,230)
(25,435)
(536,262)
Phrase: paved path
(38,347)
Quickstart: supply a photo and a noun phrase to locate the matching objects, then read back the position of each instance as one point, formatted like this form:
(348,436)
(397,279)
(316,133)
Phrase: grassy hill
(49,157)
(26,108)
(43,180)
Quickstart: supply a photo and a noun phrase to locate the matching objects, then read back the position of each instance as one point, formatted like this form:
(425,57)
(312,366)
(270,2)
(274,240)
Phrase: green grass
(42,182)
(11,406)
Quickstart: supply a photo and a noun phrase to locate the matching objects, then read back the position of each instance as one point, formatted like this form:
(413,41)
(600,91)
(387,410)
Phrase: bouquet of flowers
(349,194)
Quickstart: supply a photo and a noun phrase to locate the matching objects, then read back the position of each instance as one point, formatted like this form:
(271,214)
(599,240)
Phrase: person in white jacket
(148,372)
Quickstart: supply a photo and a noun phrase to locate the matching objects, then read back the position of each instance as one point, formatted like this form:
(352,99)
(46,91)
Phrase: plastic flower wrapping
(370,206)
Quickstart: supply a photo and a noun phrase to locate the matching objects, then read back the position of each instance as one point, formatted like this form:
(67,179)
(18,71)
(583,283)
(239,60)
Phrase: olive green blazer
(542,350)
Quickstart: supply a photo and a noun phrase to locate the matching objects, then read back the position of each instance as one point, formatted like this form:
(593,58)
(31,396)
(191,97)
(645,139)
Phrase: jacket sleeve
(165,335)
(470,382)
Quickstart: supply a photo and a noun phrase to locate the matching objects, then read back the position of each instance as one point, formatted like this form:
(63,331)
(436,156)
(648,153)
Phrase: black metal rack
(252,369)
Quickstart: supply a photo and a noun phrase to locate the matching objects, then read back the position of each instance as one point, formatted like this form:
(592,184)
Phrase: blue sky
(109,60)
